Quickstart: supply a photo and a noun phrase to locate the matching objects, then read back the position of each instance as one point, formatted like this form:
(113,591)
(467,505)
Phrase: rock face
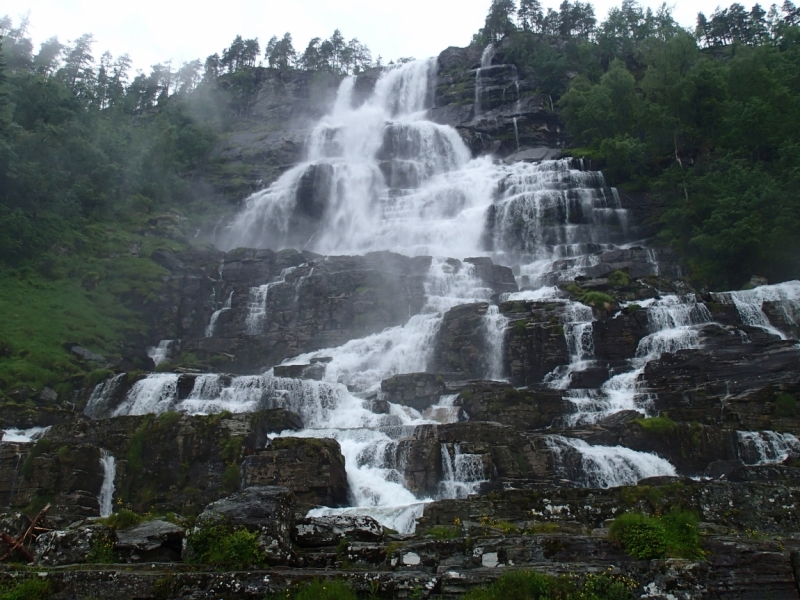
(266,510)
(151,541)
(417,390)
(268,306)
(313,469)
(461,349)
(315,532)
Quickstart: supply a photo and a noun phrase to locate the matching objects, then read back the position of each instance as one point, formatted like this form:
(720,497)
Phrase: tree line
(705,122)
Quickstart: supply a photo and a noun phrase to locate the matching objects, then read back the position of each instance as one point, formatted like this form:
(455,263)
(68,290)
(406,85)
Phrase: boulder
(315,532)
(72,546)
(522,409)
(267,510)
(461,348)
(151,541)
(311,468)
(417,390)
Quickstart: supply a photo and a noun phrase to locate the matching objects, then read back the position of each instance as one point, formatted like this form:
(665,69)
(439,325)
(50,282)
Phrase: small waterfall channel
(106,497)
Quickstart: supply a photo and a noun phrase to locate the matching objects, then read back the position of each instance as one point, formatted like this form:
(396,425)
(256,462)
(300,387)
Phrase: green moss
(440,532)
(232,449)
(317,590)
(168,419)
(136,447)
(522,585)
(39,448)
(96,376)
(659,425)
(124,519)
(632,308)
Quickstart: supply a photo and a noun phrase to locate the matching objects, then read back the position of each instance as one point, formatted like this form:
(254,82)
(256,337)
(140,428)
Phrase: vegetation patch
(673,535)
(317,590)
(225,548)
(27,589)
(124,519)
(660,425)
(529,585)
(785,405)
(598,299)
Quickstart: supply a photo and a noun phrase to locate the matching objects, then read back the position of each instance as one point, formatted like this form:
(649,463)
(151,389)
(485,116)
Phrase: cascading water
(673,322)
(784,297)
(766,447)
(463,472)
(486,61)
(212,324)
(379,176)
(160,353)
(606,466)
(577,324)
(106,496)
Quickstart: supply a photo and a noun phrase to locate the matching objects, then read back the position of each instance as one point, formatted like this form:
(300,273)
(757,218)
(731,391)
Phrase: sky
(153,31)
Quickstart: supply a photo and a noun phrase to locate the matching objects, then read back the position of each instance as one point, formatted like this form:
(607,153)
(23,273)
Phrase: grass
(598,299)
(619,279)
(659,425)
(124,519)
(442,532)
(317,590)
(529,585)
(27,589)
(785,405)
(673,535)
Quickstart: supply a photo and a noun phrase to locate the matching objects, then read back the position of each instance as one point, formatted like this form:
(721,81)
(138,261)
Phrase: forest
(100,163)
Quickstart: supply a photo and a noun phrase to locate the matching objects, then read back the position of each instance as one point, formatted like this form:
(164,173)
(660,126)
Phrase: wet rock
(267,510)
(417,390)
(154,540)
(522,409)
(315,532)
(311,468)
(69,547)
(87,355)
(461,348)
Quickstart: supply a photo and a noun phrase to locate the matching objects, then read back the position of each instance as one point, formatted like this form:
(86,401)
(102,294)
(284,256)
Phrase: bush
(225,548)
(102,551)
(619,279)
(440,532)
(598,299)
(607,587)
(640,536)
(27,589)
(673,535)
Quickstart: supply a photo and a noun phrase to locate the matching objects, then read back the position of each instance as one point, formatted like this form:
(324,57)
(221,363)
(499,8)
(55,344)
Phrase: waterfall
(257,304)
(106,496)
(784,297)
(516,130)
(23,436)
(673,322)
(578,333)
(495,324)
(766,447)
(212,324)
(160,353)
(486,61)
(606,466)
(98,402)
(462,473)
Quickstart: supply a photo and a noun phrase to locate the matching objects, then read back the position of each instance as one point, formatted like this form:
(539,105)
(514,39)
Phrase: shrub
(785,405)
(124,519)
(598,299)
(225,548)
(607,587)
(641,536)
(231,478)
(440,532)
(102,551)
(27,589)
(619,279)
(674,535)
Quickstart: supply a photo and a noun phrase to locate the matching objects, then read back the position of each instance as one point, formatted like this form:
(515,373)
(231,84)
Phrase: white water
(495,324)
(486,61)
(212,324)
(97,405)
(23,436)
(749,303)
(673,321)
(160,353)
(463,472)
(257,304)
(577,323)
(766,447)
(106,496)
(608,466)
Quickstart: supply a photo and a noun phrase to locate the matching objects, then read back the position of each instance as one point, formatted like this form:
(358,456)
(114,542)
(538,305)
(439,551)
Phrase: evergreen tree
(499,20)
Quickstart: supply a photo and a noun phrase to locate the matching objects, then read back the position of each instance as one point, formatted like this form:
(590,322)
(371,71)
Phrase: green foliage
(136,447)
(643,537)
(102,551)
(27,589)
(442,532)
(659,425)
(598,299)
(225,548)
(40,447)
(785,405)
(607,587)
(169,419)
(124,519)
(619,279)
(318,590)
(522,585)
(231,477)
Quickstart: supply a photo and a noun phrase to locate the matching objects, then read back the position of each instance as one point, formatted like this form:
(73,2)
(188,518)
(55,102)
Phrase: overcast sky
(152,31)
